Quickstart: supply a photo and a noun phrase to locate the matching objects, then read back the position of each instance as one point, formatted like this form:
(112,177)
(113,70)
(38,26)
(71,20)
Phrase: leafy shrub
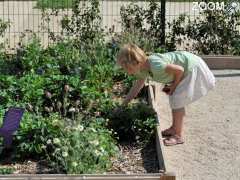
(88,148)
(136,121)
(85,23)
(59,4)
(69,146)
(215,32)
(3,26)
(6,170)
(143,24)
(236,46)
(63,109)
(67,89)
(34,132)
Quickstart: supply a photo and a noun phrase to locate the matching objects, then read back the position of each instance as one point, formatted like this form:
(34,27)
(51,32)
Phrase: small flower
(49,141)
(57,150)
(97,153)
(48,94)
(97,113)
(55,122)
(56,141)
(47,109)
(94,142)
(72,109)
(102,149)
(74,164)
(59,104)
(94,130)
(64,154)
(50,109)
(68,128)
(80,128)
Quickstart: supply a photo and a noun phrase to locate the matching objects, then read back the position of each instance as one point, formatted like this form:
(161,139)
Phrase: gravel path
(211,131)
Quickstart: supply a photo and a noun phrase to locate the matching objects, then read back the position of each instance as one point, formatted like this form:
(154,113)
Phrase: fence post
(163,19)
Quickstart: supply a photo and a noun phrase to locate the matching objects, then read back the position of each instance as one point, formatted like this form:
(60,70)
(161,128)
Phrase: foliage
(89,148)
(136,121)
(67,90)
(236,46)
(6,170)
(85,23)
(68,100)
(3,26)
(143,22)
(215,33)
(70,145)
(58,4)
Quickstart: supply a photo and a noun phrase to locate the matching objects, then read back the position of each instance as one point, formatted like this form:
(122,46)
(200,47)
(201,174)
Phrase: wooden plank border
(153,98)
(154,176)
(222,62)
(159,145)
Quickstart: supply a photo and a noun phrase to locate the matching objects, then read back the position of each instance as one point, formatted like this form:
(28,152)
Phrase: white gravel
(211,131)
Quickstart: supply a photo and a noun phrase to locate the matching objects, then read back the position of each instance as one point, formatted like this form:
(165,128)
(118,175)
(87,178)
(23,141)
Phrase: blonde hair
(131,54)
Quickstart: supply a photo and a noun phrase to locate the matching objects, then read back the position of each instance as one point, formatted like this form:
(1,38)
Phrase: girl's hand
(118,110)
(169,89)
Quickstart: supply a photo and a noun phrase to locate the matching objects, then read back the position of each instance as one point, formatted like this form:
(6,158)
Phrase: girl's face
(130,68)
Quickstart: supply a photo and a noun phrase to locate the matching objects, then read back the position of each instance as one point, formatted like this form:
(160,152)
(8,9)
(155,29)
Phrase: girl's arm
(178,72)
(138,85)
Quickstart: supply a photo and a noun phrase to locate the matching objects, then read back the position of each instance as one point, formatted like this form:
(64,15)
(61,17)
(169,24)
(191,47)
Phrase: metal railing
(28,16)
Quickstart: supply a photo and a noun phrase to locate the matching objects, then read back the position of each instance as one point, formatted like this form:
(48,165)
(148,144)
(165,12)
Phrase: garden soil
(211,131)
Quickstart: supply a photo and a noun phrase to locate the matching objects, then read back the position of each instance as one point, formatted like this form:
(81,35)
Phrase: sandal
(173,140)
(168,132)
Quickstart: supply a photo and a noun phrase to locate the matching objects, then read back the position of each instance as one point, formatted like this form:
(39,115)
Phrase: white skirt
(195,85)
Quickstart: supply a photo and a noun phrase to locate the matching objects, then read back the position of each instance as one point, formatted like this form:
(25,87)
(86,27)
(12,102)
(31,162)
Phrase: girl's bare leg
(177,128)
(177,116)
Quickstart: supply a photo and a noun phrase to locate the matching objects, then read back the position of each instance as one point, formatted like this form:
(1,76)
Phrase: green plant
(87,149)
(236,46)
(135,121)
(85,22)
(54,4)
(67,90)
(71,146)
(142,24)
(3,26)
(6,170)
(214,33)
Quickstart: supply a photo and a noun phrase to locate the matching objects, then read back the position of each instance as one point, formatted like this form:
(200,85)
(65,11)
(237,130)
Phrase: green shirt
(158,63)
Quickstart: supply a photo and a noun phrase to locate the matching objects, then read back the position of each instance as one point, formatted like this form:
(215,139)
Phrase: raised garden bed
(222,62)
(134,160)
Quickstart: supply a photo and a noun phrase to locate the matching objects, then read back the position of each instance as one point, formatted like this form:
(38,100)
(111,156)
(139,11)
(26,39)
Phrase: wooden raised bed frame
(222,62)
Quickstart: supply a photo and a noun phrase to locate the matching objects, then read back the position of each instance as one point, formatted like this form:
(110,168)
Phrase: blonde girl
(185,75)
